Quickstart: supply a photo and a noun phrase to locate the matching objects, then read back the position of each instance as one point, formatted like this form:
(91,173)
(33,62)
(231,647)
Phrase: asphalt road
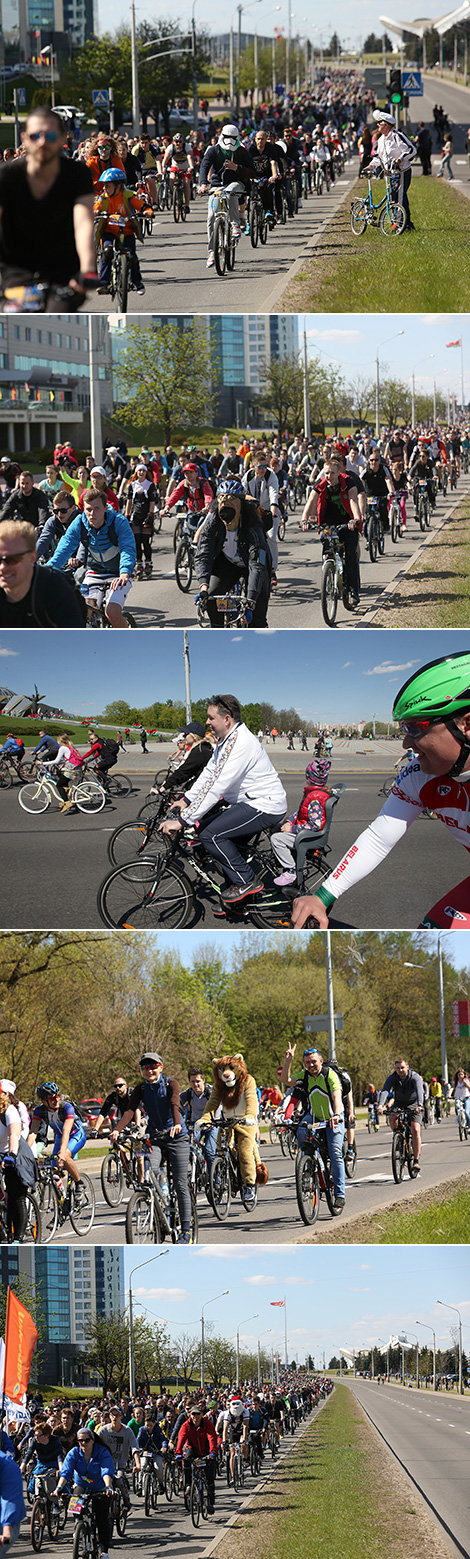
(276,1219)
(295,602)
(429,1438)
(173,261)
(169,1529)
(52,865)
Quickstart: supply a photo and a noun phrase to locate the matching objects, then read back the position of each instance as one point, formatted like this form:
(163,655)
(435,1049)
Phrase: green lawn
(423,270)
(439,1223)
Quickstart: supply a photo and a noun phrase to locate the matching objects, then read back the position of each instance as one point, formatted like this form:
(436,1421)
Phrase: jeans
(209,1144)
(466,1105)
(334,1137)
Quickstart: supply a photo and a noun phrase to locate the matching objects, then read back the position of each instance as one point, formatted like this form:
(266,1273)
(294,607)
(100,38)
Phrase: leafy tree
(188,1350)
(395,401)
(220,1360)
(281,391)
(168,375)
(108,60)
(361,394)
(108,1350)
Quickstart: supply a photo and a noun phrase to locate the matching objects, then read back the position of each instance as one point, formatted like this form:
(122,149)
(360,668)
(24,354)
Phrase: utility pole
(96,439)
(187,674)
(135,76)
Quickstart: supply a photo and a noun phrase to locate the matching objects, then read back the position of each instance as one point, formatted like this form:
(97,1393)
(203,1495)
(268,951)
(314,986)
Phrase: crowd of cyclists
(74,543)
(70,1451)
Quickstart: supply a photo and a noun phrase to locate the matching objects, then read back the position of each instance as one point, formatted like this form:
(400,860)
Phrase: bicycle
(372,1123)
(119,1510)
(402,1147)
(254,1452)
(186,552)
(464,1128)
(119,1168)
(224,242)
(150,1482)
(151,1216)
(375,530)
(34,1233)
(422,506)
(231,607)
(113,784)
(44,1512)
(225,1176)
(120,263)
(85,1538)
(258,221)
(199,1491)
(333,576)
(57,1200)
(396,520)
(173,1475)
(180,210)
(11,769)
(313,1175)
(387,213)
(96,617)
(37,795)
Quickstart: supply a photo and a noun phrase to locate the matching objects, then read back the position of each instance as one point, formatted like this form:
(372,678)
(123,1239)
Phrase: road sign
(319,1023)
(21,97)
(376,78)
(412,82)
(100,98)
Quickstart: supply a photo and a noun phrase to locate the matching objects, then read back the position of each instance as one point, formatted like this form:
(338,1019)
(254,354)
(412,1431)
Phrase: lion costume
(235,1090)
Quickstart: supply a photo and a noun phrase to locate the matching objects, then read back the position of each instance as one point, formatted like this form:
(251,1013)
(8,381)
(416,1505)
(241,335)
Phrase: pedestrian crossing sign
(412,82)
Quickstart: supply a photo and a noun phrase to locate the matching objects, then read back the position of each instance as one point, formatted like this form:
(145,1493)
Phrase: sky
(456,948)
(352,19)
(352,341)
(347,1296)
(328,676)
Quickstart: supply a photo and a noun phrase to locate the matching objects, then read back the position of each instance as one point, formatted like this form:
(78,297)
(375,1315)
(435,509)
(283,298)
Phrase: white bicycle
(87,794)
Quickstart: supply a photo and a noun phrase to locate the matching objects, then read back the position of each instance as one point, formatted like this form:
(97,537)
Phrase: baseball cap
(195,728)
(6,1086)
(151,1055)
(99,470)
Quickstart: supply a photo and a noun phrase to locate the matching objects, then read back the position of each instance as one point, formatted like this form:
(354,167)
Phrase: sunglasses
(106,146)
(63,509)
(417,727)
(82,1439)
(149,1065)
(44,135)
(221,704)
(13,557)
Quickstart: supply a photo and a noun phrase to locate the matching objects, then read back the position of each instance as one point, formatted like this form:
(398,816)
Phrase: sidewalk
(365,757)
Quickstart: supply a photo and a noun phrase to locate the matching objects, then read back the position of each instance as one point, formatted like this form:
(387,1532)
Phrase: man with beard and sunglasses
(232,546)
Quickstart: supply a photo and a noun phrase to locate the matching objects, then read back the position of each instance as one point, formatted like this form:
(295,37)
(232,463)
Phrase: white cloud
(359,1290)
(169,1295)
(223,1252)
(237,638)
(387,666)
(346,663)
(8,652)
(261,1280)
(334,335)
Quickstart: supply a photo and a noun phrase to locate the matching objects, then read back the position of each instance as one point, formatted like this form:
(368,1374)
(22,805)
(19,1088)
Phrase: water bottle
(164,1188)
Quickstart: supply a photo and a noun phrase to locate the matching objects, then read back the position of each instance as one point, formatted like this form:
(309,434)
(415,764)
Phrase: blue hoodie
(103,556)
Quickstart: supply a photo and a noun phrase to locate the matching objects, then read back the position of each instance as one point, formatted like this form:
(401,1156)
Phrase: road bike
(38,795)
(225,1175)
(375,529)
(387,213)
(333,586)
(34,1234)
(120,1167)
(152,1213)
(313,1175)
(58,1200)
(402,1147)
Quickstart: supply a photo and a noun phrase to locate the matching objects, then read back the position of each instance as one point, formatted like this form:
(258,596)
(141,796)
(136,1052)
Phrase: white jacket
(239,770)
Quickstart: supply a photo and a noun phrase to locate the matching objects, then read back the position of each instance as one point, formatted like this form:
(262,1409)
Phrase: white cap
(6,1086)
(383,118)
(99,469)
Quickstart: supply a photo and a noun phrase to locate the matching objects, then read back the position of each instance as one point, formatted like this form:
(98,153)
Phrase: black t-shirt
(51,602)
(374,483)
(36,236)
(261,162)
(116,1103)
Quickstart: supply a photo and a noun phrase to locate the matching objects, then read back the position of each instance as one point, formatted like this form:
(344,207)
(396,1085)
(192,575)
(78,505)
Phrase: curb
(425,542)
(277,293)
(440,1186)
(247,1503)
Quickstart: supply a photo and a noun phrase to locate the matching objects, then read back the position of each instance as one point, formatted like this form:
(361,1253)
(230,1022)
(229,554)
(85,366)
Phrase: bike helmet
(47,1091)
(438,691)
(178,137)
(112,176)
(233,485)
(229,139)
(317,769)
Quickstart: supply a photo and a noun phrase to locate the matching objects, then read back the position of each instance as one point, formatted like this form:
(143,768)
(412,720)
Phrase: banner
(461,1017)
(20,1339)
(277,1301)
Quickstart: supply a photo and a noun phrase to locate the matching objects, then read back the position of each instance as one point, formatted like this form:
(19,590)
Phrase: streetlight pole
(204,1307)
(330,998)
(457,1312)
(193,44)
(242,1323)
(95,402)
(413,397)
(262,1334)
(444,1071)
(430,1329)
(377,379)
(135,76)
(306,394)
(131,1339)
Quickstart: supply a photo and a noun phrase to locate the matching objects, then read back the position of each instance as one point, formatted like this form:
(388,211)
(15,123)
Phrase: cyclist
(140,510)
(152,1440)
(233,1423)
(43,1458)
(260,482)
(257,1423)
(114,1105)
(14,749)
(399,481)
(371,1099)
(435,1092)
(107,546)
(122,1444)
(266,171)
(46,211)
(333,502)
(193,1102)
(461,1090)
(196,750)
(433,710)
(421,469)
(240,772)
(320,1093)
(377,483)
(180,165)
(197,1437)
(26,502)
(193,490)
(11,1131)
(232,546)
(67,765)
(147,155)
(69,1131)
(405,1089)
(106,751)
(160,1098)
(275,1413)
(224,164)
(91,1464)
(115,204)
(64,510)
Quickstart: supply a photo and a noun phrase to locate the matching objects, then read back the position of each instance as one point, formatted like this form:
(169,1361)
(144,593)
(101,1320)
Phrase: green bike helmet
(439,691)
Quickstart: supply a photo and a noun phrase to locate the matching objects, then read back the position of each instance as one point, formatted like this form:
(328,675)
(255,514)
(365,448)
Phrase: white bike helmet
(229,139)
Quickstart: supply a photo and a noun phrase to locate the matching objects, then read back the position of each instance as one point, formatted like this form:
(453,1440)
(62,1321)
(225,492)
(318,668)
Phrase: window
(58,340)
(78,344)
(39,337)
(27,334)
(68,342)
(16,332)
(49,338)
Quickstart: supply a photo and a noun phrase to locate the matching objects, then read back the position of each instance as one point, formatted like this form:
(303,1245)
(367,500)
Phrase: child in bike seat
(310,814)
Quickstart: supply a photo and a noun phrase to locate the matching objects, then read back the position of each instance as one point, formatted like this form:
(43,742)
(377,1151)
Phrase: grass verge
(319,1502)
(435,593)
(439,1216)
(345,272)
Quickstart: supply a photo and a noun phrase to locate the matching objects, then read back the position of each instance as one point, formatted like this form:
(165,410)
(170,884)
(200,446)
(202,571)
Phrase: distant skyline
(339,677)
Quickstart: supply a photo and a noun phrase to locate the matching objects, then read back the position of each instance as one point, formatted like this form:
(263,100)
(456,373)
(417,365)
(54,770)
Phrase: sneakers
(185,1237)
(210,1508)
(349,1152)
(233,894)
(247,229)
(140,290)
(417,1167)
(339,1204)
(285,880)
(236,230)
(66,805)
(210,260)
(80,1195)
(249,1193)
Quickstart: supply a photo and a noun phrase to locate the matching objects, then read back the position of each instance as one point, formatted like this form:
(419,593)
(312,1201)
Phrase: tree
(395,401)
(281,391)
(374,45)
(220,1360)
(108,1350)
(168,375)
(108,59)
(361,395)
(187,1350)
(334,46)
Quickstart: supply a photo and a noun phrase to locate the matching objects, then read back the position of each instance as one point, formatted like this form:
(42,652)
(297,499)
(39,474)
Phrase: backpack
(343,1075)
(39,603)
(85,539)
(75,758)
(109,748)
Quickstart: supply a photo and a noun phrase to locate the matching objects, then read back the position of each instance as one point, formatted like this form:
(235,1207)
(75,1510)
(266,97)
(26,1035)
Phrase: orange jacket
(108,206)
(97,168)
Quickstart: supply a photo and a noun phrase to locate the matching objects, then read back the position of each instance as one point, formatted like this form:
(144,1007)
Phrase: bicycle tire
(204,1499)
(283,1142)
(254,1461)
(132,840)
(329,593)
(48,1203)
(422,514)
(184,566)
(53,1522)
(89,796)
(194,1504)
(146,894)
(6,780)
(319,183)
(33,1232)
(141,1227)
(372,540)
(118,785)
(37,1524)
(307,1188)
(157,518)
(263,229)
(410,1162)
(281,529)
(168,1482)
(350,1163)
(122,1512)
(81,1548)
(33,798)
(359,218)
(235,1476)
(380,538)
(82,1218)
(168,196)
(370,1125)
(219,245)
(292,1144)
(112,1180)
(183,208)
(329,1189)
(220,1188)
(148,1486)
(394,530)
(254,226)
(230,252)
(392,220)
(273,1134)
(398,1156)
(176,204)
(462,1130)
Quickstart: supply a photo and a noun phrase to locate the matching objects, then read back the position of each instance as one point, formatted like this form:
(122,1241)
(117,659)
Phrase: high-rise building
(75,1285)
(244,344)
(45,380)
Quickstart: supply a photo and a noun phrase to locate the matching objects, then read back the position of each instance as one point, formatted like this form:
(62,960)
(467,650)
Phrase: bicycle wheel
(422,514)
(219,245)
(394,515)
(254,1461)
(194,1504)
(283,1134)
(142,1223)
(118,785)
(176,204)
(235,1475)
(307,1188)
(183,207)
(33,1231)
(112,1179)
(82,1217)
(38,1524)
(130,840)
(122,283)
(5,777)
(263,229)
(462,1129)
(230,252)
(329,593)
(82,1548)
(254,226)
(281,529)
(146,894)
(381,538)
(273,1134)
(372,543)
(359,217)
(350,1163)
(48,1203)
(53,1521)
(168,1482)
(184,566)
(398,1156)
(34,797)
(292,1144)
(122,1512)
(329,1191)
(89,796)
(221,1194)
(392,220)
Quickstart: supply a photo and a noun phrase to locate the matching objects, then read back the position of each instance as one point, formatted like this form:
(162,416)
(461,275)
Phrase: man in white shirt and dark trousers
(394,149)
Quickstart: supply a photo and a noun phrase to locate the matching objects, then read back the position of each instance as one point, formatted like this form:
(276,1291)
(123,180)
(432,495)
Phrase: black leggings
(16,1201)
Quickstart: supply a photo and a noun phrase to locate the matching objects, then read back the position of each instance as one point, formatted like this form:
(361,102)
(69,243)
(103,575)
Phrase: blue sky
(188,943)
(353,19)
(348,1296)
(329,677)
(352,341)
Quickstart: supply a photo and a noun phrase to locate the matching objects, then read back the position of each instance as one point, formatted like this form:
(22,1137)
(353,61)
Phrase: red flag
(277,1301)
(453,343)
(20,1338)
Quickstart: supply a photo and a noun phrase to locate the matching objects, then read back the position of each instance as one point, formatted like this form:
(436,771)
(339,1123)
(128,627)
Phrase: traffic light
(396,94)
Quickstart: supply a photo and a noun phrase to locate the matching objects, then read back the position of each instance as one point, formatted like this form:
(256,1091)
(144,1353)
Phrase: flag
(277,1301)
(20,1338)
(453,343)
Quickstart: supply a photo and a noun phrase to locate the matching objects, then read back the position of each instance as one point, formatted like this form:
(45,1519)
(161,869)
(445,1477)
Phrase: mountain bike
(224,242)
(152,1213)
(186,552)
(120,263)
(199,1491)
(333,576)
(57,1200)
(38,795)
(150,1482)
(258,221)
(120,1166)
(313,1175)
(423,514)
(85,1538)
(375,530)
(387,213)
(230,607)
(225,1176)
(44,1512)
(180,210)
(402,1147)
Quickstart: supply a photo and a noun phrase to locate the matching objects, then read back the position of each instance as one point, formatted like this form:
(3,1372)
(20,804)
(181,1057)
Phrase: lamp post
(45,52)
(193,45)
(457,1312)
(204,1307)
(442,1019)
(417,1362)
(262,1334)
(430,1329)
(386,1345)
(242,1323)
(134,76)
(131,1339)
(412,377)
(377,379)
